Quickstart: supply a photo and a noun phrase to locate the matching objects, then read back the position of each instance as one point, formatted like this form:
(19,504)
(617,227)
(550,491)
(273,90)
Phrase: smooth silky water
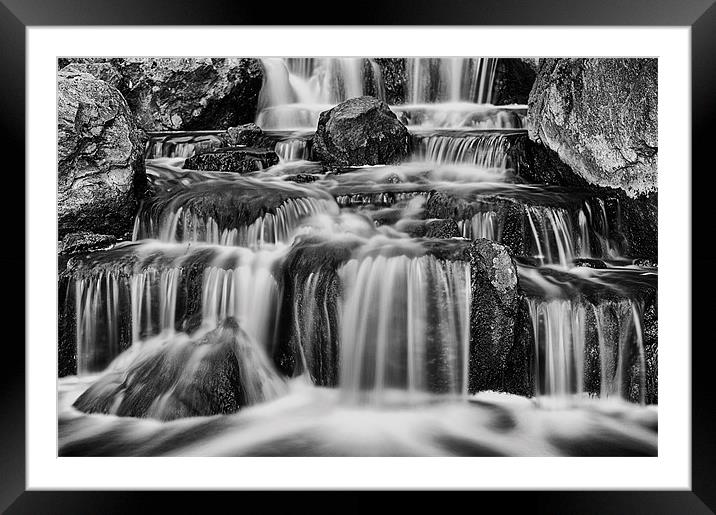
(212,270)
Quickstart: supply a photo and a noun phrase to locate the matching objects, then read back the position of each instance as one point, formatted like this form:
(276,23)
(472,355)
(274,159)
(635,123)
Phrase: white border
(672,467)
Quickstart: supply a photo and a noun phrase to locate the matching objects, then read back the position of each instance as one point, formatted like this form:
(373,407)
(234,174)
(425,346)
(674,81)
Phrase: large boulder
(184,93)
(100,157)
(360,131)
(500,340)
(206,374)
(600,116)
(192,93)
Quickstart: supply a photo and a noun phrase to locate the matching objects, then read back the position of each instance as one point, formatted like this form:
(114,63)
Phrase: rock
(248,135)
(500,340)
(85,242)
(360,131)
(600,116)
(395,78)
(308,326)
(101,70)
(233,159)
(513,81)
(187,93)
(100,157)
(216,373)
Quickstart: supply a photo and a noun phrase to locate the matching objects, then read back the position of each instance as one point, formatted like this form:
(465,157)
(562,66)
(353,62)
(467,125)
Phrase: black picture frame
(699,15)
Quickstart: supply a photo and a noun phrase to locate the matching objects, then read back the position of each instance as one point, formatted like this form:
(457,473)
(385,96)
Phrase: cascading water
(405,326)
(439,92)
(358,294)
(295,90)
(455,79)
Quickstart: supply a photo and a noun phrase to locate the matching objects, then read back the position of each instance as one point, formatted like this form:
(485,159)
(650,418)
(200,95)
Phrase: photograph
(357,256)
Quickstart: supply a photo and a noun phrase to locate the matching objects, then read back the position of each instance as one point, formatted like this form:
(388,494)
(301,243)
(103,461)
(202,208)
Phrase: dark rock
(600,116)
(302,178)
(308,326)
(248,135)
(500,340)
(85,242)
(439,229)
(233,159)
(188,93)
(360,131)
(100,157)
(395,78)
(208,375)
(590,263)
(513,81)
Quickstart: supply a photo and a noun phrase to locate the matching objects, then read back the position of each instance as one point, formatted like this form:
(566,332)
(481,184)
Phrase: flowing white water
(455,79)
(404,326)
(248,292)
(295,91)
(565,343)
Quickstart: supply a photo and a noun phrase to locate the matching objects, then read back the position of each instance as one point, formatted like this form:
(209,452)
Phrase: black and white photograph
(357,256)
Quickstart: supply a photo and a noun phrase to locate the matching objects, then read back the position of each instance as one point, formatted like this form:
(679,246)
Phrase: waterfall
(180,222)
(98,324)
(404,326)
(248,292)
(295,91)
(292,150)
(485,151)
(571,359)
(481,225)
(453,79)
(552,234)
(440,92)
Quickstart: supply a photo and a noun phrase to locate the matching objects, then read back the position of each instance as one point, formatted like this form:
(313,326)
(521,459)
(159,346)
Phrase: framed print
(444,249)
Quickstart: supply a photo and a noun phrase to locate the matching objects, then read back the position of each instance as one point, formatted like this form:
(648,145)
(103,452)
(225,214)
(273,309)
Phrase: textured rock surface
(514,79)
(100,157)
(500,341)
(101,70)
(395,77)
(233,159)
(360,131)
(200,377)
(600,116)
(185,93)
(249,135)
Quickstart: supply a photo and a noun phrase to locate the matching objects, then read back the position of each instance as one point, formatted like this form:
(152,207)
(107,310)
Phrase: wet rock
(513,81)
(395,77)
(248,135)
(360,131)
(100,157)
(600,116)
(85,242)
(500,341)
(187,93)
(308,327)
(206,375)
(439,229)
(233,159)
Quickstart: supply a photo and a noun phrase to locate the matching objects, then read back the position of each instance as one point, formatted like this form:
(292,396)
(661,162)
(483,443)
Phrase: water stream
(339,309)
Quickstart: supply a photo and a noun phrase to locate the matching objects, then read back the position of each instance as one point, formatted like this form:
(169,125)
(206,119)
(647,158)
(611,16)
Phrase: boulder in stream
(100,157)
(600,116)
(215,373)
(500,340)
(360,131)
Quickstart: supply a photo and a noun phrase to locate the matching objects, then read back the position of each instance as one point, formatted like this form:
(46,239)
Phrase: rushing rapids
(302,295)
